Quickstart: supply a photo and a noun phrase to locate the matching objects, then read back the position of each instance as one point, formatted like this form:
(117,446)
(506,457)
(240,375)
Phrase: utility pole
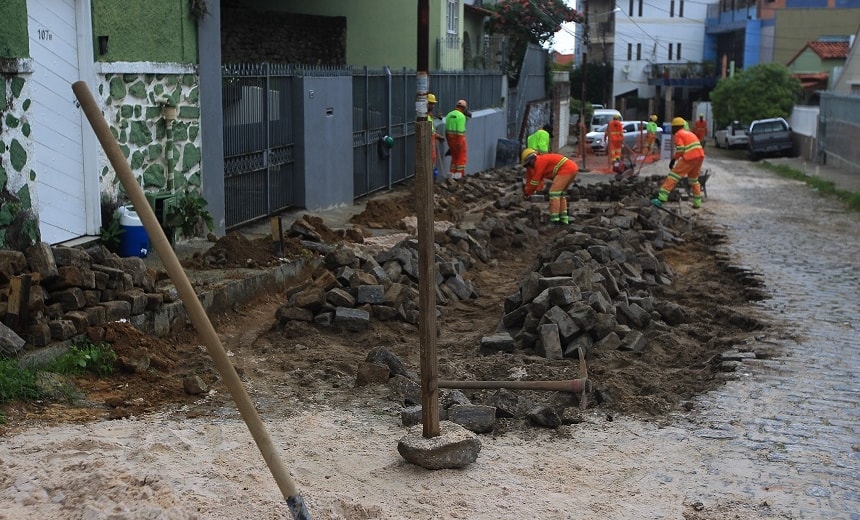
(582,124)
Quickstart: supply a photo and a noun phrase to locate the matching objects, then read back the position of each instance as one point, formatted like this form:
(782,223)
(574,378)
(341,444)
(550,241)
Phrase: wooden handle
(189,298)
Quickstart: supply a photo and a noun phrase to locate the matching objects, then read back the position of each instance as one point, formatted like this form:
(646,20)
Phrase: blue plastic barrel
(133,241)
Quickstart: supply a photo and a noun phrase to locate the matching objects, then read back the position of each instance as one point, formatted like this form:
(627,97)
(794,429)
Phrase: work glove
(672,164)
(447,152)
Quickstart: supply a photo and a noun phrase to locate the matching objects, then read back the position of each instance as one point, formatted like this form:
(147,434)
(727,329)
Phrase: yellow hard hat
(678,121)
(431,98)
(654,118)
(528,152)
(701,115)
(617,117)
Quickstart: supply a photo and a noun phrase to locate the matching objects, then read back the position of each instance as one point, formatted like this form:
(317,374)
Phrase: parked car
(732,136)
(770,137)
(634,136)
(601,116)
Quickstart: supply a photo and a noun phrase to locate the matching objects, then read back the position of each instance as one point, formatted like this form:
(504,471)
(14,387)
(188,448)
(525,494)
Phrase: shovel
(192,303)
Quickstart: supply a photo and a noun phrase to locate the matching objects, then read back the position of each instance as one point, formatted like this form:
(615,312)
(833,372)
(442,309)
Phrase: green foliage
(96,358)
(17,383)
(598,85)
(188,211)
(762,91)
(111,231)
(21,383)
(852,199)
(527,21)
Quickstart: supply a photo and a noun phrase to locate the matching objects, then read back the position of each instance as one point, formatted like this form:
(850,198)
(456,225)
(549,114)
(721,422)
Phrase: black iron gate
(259,169)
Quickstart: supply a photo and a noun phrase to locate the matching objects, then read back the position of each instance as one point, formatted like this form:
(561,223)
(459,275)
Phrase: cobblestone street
(786,433)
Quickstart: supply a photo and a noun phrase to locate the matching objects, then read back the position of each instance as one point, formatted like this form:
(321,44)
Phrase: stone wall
(249,36)
(134,108)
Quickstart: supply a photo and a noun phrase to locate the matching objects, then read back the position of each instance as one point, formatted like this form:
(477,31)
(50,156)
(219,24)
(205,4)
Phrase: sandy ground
(196,459)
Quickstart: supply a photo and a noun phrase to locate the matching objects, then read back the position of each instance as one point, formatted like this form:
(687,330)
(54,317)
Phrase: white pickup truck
(733,136)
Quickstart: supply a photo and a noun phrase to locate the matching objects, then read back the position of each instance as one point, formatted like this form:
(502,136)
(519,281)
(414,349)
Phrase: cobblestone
(791,421)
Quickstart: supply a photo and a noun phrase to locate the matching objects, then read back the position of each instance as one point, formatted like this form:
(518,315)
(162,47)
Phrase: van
(602,116)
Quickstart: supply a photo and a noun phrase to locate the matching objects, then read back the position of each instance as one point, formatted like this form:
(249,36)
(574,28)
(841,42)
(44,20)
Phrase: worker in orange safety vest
(615,138)
(700,128)
(560,170)
(687,162)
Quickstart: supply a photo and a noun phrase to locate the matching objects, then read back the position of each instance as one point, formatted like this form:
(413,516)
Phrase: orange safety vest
(547,166)
(615,131)
(687,145)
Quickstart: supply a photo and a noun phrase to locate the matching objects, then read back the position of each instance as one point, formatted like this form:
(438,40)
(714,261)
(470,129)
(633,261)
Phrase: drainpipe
(169,112)
(388,117)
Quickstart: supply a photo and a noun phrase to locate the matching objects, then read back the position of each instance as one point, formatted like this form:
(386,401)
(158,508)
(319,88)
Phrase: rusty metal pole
(426,254)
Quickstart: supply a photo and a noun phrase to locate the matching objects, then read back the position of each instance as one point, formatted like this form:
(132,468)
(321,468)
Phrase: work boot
(564,220)
(697,204)
(657,202)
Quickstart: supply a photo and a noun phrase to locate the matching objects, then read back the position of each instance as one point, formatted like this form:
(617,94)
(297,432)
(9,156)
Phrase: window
(630,10)
(640,8)
(679,51)
(672,9)
(671,48)
(681,8)
(638,51)
(453,16)
(629,51)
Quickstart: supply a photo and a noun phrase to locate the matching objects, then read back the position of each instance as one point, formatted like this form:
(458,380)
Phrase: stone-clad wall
(133,106)
(18,226)
(249,36)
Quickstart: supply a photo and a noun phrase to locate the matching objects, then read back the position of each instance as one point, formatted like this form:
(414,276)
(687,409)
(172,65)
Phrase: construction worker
(431,105)
(455,135)
(700,128)
(687,162)
(651,134)
(539,141)
(560,170)
(615,138)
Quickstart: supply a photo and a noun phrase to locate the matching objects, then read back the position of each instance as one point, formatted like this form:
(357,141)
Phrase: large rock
(454,447)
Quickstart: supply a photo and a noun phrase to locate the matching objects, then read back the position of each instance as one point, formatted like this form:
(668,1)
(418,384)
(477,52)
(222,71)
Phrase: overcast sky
(564,41)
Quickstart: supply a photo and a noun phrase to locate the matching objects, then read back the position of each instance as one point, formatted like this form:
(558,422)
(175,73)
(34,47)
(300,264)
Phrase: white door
(64,191)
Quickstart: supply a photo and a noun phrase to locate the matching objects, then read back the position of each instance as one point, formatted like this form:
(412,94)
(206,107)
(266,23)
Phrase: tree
(762,91)
(527,21)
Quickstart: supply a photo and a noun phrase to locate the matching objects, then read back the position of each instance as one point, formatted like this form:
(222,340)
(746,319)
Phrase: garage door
(65,209)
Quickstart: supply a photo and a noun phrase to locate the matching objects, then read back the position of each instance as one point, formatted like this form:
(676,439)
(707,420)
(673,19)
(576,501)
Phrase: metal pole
(582,123)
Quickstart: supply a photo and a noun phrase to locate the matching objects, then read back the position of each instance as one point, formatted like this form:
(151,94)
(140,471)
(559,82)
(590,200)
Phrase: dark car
(770,137)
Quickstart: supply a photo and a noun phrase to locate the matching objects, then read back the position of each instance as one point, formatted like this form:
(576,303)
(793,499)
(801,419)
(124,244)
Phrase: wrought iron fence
(259,170)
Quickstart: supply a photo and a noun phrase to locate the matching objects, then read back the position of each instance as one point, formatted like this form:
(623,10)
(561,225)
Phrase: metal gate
(259,169)
(383,105)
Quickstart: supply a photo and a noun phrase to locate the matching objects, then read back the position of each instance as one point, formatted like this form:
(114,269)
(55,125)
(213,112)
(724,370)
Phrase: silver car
(634,137)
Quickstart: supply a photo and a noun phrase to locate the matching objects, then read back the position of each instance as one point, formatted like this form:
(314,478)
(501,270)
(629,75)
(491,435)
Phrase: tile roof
(829,50)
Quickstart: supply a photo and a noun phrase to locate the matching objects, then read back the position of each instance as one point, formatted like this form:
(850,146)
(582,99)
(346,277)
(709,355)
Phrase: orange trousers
(457,146)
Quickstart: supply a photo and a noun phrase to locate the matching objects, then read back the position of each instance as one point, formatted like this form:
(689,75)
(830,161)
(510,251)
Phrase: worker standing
(431,105)
(651,135)
(615,137)
(455,135)
(539,141)
(700,128)
(560,170)
(687,162)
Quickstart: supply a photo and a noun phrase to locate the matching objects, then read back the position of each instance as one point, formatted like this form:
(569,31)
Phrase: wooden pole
(192,303)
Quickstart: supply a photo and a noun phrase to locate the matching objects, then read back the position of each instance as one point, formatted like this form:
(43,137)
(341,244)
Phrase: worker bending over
(687,162)
(555,167)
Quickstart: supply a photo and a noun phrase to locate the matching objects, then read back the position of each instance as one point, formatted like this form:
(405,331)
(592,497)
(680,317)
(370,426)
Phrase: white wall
(655,30)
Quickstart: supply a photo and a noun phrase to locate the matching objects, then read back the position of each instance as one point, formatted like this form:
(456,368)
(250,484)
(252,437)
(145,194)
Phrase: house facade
(49,152)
